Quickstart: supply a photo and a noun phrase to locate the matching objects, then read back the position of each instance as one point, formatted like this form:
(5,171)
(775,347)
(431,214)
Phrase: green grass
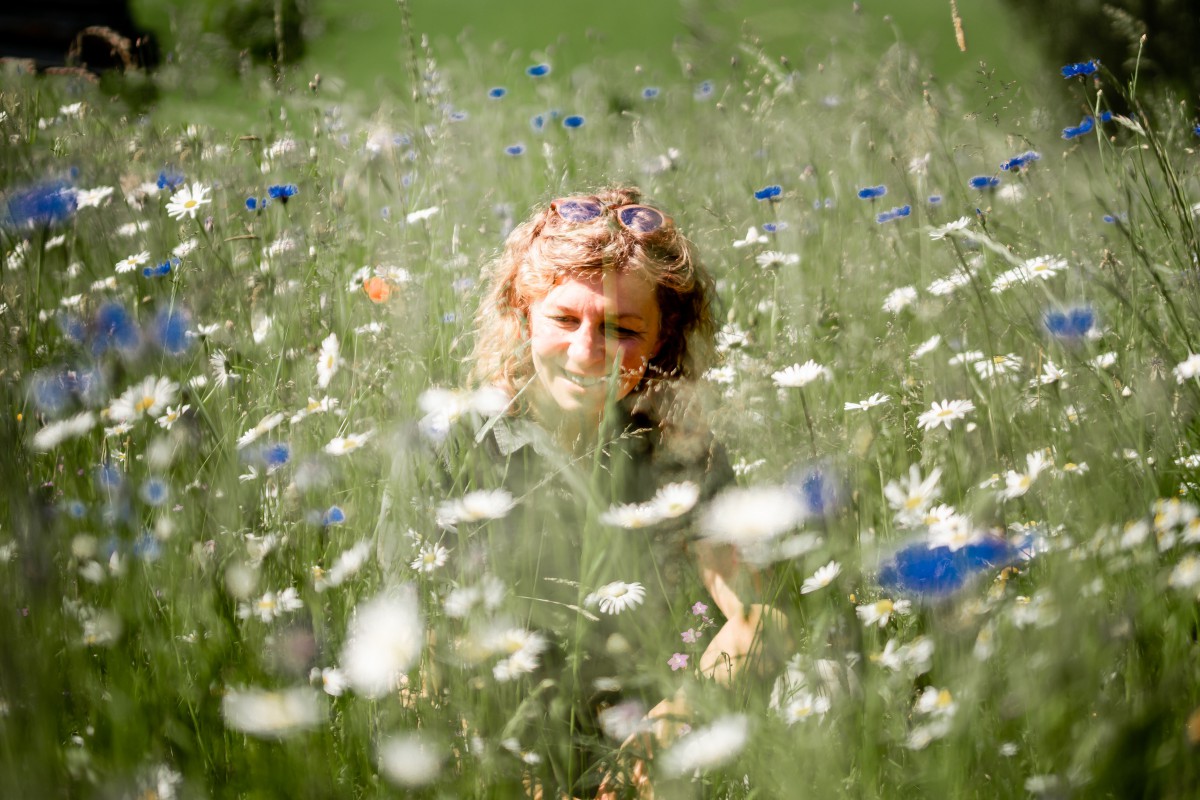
(124,650)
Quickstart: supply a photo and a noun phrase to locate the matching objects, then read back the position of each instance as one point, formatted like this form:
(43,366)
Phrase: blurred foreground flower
(711,746)
(930,571)
(408,760)
(383,642)
(272,714)
(751,516)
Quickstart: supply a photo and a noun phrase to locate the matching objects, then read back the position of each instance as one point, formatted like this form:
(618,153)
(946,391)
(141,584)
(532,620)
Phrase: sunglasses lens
(579,210)
(640,219)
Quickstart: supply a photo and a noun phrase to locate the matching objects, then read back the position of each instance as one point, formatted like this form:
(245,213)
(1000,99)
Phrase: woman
(597,324)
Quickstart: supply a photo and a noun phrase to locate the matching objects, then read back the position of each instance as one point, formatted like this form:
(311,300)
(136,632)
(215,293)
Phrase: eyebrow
(627,315)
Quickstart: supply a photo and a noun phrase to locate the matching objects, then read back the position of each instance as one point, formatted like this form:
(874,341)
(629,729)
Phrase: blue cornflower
(114,327)
(871,192)
(1071,323)
(573,121)
(449,317)
(171,326)
(1106,116)
(252,204)
(934,199)
(1080,129)
(537,122)
(768,192)
(155,492)
(72,327)
(50,391)
(282,192)
(108,477)
(169,179)
(938,571)
(497,92)
(515,149)
(774,227)
(1113,219)
(819,204)
(147,547)
(334,516)
(819,488)
(1082,68)
(76,509)
(385,213)
(1016,163)
(704,91)
(982,182)
(41,205)
(458,116)
(538,70)
(650,93)
(162,269)
(276,455)
(895,213)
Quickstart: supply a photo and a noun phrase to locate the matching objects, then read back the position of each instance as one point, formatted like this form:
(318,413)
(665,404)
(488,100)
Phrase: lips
(583,381)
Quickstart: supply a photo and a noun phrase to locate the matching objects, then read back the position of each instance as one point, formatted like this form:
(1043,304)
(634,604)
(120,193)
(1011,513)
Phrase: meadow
(957,381)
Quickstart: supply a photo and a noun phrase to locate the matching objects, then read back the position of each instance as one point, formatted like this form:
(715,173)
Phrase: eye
(621,333)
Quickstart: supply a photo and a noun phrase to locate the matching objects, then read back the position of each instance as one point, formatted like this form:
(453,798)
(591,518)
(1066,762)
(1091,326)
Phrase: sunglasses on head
(633,217)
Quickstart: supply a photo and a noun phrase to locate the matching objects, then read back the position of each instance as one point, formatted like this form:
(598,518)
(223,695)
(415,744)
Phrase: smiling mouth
(585,382)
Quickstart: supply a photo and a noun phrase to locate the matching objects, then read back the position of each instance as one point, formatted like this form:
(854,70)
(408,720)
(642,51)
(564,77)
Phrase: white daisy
(821,578)
(187,201)
(676,499)
(149,397)
(171,416)
(878,613)
(768,259)
(926,347)
(751,516)
(93,198)
(475,507)
(900,299)
(429,558)
(945,413)
(1044,267)
(341,445)
(328,360)
(708,747)
(911,497)
(753,237)
(265,425)
(799,375)
(876,399)
(1185,370)
(383,642)
(130,263)
(615,597)
(272,714)
(943,231)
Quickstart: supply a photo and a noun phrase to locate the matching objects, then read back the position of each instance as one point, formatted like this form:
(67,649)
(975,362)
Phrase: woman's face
(582,327)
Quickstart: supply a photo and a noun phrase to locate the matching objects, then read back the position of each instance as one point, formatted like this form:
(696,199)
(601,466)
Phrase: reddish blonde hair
(546,249)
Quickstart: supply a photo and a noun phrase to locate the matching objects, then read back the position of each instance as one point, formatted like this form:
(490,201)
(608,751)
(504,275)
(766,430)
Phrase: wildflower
(476,506)
(161,269)
(878,613)
(804,705)
(523,649)
(93,198)
(283,192)
(678,661)
(430,557)
(333,680)
(538,70)
(347,565)
(1017,483)
(59,431)
(421,214)
(130,263)
(944,413)
(753,237)
(187,201)
(41,205)
(149,397)
(271,605)
(1082,68)
(704,90)
(772,192)
(496,92)
(926,347)
(899,299)
(1044,267)
(328,360)
(1186,574)
(515,149)
(272,714)
(377,289)
(1070,324)
(314,406)
(821,578)
(689,636)
(219,364)
(997,365)
(1185,370)
(936,702)
(341,445)
(709,747)
(383,641)
(876,399)
(615,597)
(676,499)
(774,258)
(800,375)
(334,515)
(910,498)
(916,655)
(941,232)
(954,532)
(751,516)
(264,426)
(573,121)
(1018,162)
(872,192)
(1083,128)
(171,416)
(409,761)
(185,248)
(168,179)
(982,182)
(895,213)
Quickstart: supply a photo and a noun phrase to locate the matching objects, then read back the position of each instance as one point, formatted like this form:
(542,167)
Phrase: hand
(758,637)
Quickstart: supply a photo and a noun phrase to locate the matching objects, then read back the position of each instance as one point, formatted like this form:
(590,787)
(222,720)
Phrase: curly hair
(546,249)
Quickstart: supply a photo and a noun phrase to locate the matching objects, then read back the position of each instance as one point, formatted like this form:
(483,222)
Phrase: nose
(587,347)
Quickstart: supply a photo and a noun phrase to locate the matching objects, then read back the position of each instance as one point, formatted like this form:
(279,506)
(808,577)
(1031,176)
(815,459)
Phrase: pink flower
(699,608)
(677,661)
(690,636)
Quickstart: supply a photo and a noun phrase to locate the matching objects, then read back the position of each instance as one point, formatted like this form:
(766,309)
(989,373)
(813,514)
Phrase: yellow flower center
(190,204)
(144,403)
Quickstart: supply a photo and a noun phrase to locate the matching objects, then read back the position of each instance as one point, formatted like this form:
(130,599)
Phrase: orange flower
(378,289)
